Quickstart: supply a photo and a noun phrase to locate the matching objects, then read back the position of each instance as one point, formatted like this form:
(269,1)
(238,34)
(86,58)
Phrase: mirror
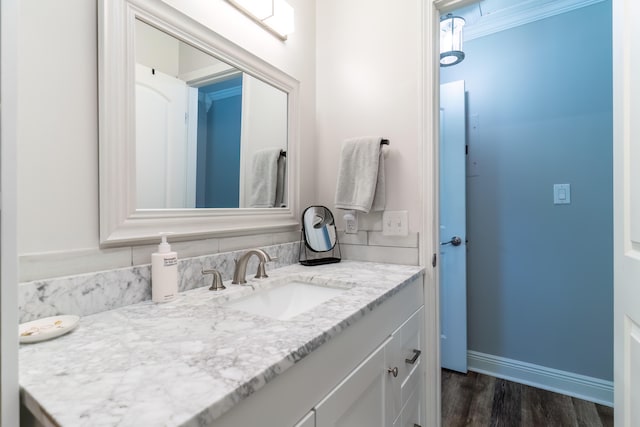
(201,122)
(319,235)
(220,160)
(319,228)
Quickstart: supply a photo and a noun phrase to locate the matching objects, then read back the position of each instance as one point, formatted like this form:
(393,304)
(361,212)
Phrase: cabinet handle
(416,354)
(417,425)
(393,371)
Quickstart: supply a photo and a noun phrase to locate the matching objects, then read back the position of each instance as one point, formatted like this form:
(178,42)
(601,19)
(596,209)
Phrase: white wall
(58,116)
(156,49)
(369,83)
(57,126)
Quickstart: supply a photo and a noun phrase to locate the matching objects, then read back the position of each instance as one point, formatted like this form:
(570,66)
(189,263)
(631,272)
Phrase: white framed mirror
(198,136)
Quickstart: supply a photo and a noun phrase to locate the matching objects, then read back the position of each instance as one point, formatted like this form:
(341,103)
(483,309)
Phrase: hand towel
(265,178)
(361,181)
(280,181)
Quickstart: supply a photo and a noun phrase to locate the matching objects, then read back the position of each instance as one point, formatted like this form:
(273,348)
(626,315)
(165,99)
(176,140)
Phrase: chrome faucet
(240,272)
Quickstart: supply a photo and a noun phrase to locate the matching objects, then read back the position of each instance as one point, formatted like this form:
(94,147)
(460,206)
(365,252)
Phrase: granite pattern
(186,362)
(92,293)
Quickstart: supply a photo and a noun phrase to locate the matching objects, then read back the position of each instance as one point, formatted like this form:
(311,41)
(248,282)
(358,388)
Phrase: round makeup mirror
(319,234)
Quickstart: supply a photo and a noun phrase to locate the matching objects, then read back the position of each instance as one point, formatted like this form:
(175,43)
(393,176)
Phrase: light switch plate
(561,194)
(395,223)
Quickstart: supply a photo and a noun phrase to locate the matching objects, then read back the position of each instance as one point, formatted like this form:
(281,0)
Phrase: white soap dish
(47,328)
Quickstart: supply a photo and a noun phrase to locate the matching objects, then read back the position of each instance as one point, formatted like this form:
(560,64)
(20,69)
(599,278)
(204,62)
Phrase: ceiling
(490,16)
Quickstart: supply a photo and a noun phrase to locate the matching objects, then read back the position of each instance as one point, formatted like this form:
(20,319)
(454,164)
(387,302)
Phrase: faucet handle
(216,284)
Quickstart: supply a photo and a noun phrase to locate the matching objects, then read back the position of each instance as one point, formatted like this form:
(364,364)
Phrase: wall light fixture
(451,40)
(276,16)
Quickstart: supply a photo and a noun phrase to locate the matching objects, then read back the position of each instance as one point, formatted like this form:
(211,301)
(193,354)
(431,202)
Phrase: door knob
(455,241)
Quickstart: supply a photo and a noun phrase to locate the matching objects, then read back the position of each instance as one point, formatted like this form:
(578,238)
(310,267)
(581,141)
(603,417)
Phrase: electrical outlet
(395,223)
(351,222)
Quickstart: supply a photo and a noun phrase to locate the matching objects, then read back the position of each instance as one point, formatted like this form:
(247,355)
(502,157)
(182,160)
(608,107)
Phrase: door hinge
(434,261)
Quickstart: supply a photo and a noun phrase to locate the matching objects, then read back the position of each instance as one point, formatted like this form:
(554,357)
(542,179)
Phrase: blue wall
(540,276)
(219,131)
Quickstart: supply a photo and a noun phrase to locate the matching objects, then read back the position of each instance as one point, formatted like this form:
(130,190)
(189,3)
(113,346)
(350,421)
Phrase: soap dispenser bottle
(164,273)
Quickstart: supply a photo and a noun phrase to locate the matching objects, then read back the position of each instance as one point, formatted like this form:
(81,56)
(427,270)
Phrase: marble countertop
(189,361)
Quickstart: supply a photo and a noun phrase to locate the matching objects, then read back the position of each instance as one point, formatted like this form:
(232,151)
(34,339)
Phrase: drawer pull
(393,371)
(416,354)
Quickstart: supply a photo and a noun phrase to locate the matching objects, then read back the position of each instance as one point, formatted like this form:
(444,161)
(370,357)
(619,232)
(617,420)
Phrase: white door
(626,125)
(161,143)
(453,248)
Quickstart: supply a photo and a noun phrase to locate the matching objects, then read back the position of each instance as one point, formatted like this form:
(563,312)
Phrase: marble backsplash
(91,293)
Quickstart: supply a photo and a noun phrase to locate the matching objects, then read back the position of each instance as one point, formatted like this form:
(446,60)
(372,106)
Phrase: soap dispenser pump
(164,272)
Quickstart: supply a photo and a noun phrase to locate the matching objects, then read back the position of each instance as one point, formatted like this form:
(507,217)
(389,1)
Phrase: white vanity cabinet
(385,389)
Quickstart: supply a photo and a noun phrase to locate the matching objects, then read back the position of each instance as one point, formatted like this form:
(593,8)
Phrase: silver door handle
(455,241)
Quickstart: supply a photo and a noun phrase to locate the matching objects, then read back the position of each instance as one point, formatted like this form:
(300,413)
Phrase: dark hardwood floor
(480,400)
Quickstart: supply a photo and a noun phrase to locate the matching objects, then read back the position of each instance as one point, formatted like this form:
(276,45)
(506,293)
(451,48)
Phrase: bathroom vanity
(207,358)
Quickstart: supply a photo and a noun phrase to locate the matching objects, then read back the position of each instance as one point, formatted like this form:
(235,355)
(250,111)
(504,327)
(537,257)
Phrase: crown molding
(523,13)
(444,6)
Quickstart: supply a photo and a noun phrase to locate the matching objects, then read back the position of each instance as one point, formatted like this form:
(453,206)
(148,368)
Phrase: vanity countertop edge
(167,364)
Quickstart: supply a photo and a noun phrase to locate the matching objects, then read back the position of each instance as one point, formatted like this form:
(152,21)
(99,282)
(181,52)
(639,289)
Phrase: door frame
(429,238)
(9,388)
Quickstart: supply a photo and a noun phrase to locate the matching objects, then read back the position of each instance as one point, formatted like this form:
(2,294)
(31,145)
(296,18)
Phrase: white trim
(444,6)
(521,14)
(9,388)
(225,93)
(428,184)
(569,383)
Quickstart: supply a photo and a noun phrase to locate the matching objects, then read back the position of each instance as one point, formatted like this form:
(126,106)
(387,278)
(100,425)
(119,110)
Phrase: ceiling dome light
(451,40)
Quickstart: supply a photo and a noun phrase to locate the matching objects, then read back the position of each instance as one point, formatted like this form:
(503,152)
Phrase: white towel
(361,182)
(265,178)
(280,184)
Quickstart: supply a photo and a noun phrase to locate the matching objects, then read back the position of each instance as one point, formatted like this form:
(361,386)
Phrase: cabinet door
(412,413)
(359,400)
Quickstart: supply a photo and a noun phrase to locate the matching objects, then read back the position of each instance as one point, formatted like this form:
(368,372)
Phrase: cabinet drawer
(410,344)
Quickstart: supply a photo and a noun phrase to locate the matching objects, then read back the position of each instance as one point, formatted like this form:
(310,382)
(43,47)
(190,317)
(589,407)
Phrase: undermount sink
(285,301)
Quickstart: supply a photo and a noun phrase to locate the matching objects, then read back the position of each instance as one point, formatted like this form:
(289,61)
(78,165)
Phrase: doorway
(540,270)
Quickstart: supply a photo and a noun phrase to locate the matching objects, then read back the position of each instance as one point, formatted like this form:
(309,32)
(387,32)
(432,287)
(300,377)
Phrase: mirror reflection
(319,228)
(208,135)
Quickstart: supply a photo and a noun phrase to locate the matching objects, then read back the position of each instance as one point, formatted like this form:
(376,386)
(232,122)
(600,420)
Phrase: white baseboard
(576,385)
